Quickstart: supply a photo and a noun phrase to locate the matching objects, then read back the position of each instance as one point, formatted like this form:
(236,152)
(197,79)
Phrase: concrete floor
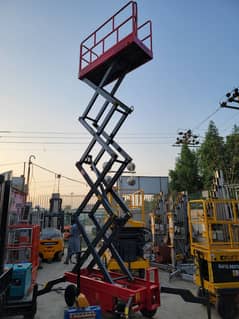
(52,305)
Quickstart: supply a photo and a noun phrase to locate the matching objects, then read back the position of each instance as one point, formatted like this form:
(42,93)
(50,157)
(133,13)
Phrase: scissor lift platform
(117,47)
(118,40)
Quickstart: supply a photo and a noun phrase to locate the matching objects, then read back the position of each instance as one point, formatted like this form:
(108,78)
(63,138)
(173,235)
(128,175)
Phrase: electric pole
(187,138)
(28,172)
(232,98)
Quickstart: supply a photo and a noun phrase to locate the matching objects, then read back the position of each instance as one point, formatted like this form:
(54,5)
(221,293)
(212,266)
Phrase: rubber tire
(226,307)
(70,295)
(148,313)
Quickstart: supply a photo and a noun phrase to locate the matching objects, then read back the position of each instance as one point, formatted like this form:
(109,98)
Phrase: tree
(232,156)
(211,155)
(185,176)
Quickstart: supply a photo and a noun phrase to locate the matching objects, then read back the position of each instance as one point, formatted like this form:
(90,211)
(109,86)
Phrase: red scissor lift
(23,246)
(117,47)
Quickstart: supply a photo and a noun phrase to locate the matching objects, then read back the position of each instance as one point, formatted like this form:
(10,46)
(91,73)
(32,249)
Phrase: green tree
(211,155)
(232,156)
(185,176)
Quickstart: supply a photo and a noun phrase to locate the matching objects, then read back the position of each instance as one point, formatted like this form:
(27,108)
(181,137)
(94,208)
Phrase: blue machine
(91,312)
(21,280)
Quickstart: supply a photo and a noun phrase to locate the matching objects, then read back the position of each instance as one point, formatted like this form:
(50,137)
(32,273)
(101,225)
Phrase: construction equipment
(133,242)
(102,64)
(214,239)
(169,225)
(51,244)
(51,240)
(23,247)
(54,218)
(107,55)
(18,292)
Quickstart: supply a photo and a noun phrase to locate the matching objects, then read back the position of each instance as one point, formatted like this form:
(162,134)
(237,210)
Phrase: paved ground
(52,305)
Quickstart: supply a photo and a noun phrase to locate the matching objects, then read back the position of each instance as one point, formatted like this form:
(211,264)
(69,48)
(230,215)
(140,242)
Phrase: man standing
(74,244)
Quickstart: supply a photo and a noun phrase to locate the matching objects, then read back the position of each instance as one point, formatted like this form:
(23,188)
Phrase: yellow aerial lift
(214,239)
(133,241)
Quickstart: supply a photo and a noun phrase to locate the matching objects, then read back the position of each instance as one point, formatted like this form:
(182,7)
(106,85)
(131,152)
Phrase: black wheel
(70,295)
(148,313)
(226,307)
(119,310)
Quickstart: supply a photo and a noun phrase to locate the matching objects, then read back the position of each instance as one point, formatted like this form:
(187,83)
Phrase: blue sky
(196,51)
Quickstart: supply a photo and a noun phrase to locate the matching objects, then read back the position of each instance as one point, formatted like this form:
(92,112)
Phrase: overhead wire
(57,174)
(210,115)
(69,133)
(79,143)
(207,118)
(77,137)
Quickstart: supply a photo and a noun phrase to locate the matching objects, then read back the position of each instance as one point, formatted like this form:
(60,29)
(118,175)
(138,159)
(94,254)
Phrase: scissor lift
(106,56)
(100,66)
(214,240)
(117,47)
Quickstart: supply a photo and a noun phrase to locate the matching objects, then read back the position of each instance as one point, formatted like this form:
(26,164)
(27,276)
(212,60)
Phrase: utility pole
(232,98)
(28,172)
(188,138)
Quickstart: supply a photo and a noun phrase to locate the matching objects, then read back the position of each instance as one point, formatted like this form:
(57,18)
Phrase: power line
(77,137)
(57,174)
(78,134)
(207,118)
(77,143)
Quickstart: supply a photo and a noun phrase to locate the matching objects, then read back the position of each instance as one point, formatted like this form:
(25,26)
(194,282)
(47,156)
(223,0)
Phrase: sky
(196,51)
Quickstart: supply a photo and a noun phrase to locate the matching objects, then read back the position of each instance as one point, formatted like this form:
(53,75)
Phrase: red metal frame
(27,243)
(145,293)
(90,59)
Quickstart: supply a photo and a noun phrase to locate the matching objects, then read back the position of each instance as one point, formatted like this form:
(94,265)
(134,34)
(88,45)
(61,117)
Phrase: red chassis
(139,295)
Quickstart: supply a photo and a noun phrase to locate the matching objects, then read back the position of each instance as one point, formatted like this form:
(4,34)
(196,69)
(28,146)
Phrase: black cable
(62,176)
(79,143)
(207,118)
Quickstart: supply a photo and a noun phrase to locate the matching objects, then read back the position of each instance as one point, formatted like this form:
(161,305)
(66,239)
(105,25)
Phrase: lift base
(136,295)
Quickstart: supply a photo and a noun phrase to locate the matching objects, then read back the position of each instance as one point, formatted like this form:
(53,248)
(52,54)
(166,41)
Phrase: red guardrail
(95,45)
